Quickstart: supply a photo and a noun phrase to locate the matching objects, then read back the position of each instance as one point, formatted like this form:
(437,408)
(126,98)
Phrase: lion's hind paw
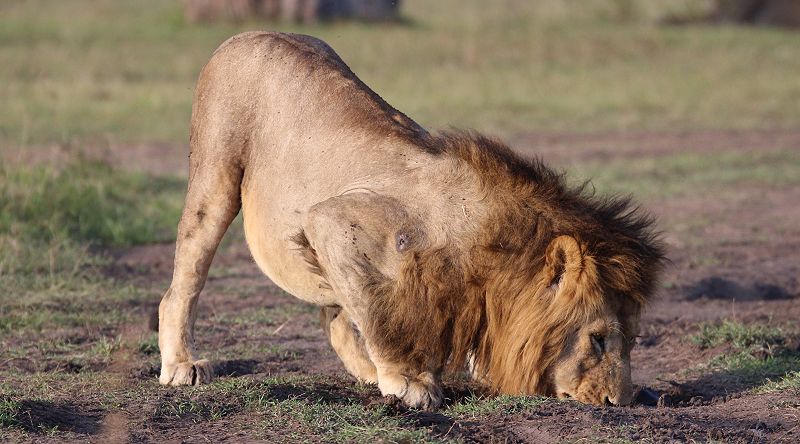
(187,373)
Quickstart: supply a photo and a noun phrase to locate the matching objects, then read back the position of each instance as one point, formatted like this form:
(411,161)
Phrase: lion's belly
(268,227)
(285,177)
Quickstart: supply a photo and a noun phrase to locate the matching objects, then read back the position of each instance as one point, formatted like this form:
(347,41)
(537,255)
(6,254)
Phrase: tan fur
(348,344)
(429,251)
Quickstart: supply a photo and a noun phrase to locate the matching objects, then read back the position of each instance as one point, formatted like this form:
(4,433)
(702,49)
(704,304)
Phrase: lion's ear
(564,261)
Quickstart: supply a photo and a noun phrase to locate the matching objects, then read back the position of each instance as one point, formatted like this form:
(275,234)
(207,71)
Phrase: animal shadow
(44,416)
(236,367)
(716,287)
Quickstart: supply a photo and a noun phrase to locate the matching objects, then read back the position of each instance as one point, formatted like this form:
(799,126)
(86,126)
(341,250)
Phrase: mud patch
(321,392)
(701,424)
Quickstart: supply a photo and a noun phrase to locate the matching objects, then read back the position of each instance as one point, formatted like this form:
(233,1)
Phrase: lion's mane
(488,302)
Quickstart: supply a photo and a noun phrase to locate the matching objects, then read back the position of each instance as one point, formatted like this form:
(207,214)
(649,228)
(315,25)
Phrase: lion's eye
(599,344)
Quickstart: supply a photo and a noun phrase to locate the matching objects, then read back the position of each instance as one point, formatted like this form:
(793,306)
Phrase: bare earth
(734,256)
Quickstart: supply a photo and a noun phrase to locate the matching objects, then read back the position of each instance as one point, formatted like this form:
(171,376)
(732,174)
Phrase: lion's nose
(619,400)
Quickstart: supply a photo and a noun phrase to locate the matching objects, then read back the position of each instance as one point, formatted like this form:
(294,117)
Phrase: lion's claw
(187,373)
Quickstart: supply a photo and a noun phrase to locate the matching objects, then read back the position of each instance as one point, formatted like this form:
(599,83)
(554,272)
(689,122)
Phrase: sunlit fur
(503,265)
(550,259)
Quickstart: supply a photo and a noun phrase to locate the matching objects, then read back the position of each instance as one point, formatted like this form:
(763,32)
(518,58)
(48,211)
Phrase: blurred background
(692,106)
(79,72)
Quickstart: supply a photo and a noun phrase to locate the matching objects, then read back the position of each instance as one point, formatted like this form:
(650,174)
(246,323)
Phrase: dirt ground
(734,255)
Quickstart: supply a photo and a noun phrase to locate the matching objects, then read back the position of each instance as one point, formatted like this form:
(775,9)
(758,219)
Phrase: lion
(427,252)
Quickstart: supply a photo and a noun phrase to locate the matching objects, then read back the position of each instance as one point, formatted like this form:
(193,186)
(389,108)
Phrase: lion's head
(593,364)
(567,333)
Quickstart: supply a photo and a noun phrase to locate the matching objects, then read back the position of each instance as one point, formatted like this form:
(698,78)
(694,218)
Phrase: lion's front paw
(421,392)
(187,373)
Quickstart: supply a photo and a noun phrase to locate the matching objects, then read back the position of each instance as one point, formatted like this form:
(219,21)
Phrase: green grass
(343,422)
(757,355)
(757,371)
(51,222)
(9,411)
(88,202)
(148,345)
(739,335)
(681,174)
(307,403)
(111,73)
(53,387)
(304,405)
(790,381)
(59,305)
(196,410)
(473,406)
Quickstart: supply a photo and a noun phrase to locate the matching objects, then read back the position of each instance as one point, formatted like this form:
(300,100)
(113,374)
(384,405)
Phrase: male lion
(427,252)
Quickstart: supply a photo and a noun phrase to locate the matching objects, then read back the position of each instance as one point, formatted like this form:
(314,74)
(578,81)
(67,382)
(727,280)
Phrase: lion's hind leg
(212,201)
(348,344)
(348,264)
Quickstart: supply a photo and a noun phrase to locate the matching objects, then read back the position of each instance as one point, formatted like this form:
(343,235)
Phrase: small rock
(677,390)
(647,396)
(793,344)
(762,354)
(647,341)
(761,425)
(717,434)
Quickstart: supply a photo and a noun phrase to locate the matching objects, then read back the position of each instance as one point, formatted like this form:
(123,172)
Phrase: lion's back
(258,64)
(279,49)
(290,84)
